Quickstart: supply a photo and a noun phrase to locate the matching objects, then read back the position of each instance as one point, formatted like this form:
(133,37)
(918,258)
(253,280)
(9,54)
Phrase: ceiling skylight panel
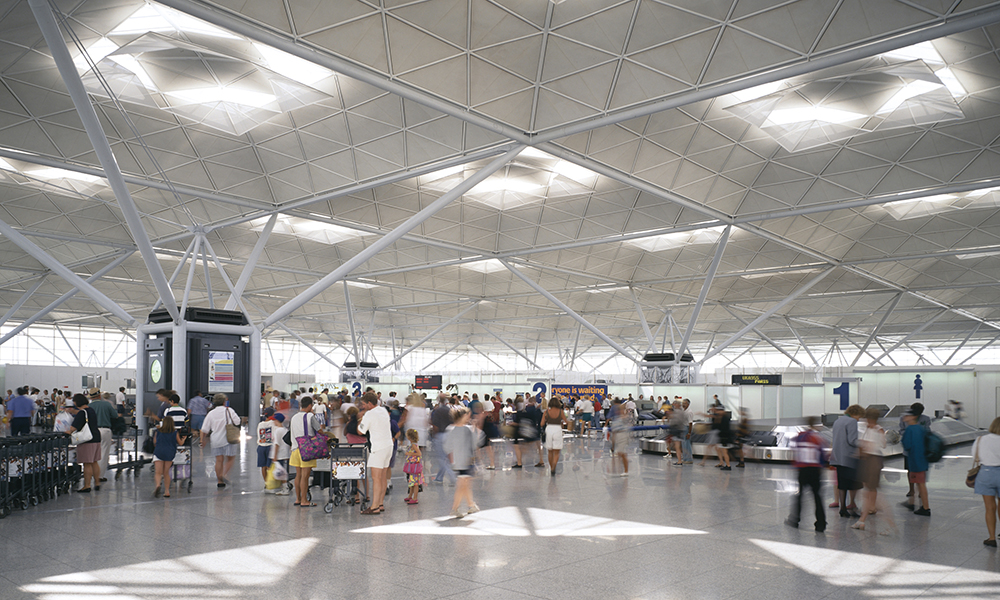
(491,265)
(292,66)
(668,241)
(160,19)
(96,51)
(940,203)
(54,173)
(948,78)
(325,233)
(924,51)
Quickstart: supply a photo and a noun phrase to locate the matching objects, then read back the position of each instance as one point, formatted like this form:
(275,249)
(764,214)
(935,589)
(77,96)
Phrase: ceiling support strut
(391,237)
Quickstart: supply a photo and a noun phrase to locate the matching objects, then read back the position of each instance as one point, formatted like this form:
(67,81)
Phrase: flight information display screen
(428,382)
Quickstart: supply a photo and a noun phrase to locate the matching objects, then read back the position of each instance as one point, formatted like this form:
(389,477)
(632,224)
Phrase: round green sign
(156,370)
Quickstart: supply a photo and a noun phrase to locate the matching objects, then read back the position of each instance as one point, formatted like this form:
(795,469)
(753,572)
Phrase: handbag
(149,444)
(413,468)
(970,477)
(311,447)
(84,435)
(232,431)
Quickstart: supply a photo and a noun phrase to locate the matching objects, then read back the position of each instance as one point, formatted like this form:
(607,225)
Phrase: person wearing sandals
(414,467)
(88,454)
(214,429)
(166,438)
(986,451)
(461,445)
(553,420)
(303,424)
(376,423)
(871,443)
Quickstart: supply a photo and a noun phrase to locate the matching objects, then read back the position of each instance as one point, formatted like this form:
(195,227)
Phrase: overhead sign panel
(579,389)
(756,379)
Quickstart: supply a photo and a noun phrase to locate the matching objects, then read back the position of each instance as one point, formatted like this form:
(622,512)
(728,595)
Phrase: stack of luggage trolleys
(35,468)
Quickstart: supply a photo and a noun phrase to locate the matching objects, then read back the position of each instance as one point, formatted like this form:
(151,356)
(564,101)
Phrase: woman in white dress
(553,420)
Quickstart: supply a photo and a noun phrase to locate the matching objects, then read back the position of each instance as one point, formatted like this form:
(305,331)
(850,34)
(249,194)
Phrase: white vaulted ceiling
(647,136)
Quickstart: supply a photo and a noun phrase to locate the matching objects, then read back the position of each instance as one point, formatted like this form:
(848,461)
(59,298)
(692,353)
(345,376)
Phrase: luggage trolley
(348,466)
(127,454)
(182,473)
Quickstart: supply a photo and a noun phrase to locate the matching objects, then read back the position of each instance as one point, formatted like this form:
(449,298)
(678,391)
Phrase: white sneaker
(624,475)
(473,509)
(282,492)
(267,491)
(457,513)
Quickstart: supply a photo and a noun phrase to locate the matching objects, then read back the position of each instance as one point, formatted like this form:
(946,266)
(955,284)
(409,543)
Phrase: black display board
(428,382)
(756,379)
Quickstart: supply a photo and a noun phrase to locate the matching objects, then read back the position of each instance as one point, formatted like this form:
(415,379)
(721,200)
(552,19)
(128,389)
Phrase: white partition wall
(751,398)
(790,401)
(769,401)
(812,399)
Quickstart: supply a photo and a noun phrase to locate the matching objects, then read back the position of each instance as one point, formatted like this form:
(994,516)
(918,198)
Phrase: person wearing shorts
(214,429)
(302,424)
(461,445)
(265,442)
(376,423)
(845,458)
(913,442)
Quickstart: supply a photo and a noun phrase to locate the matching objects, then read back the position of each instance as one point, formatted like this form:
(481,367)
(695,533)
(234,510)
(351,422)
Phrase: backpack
(933,446)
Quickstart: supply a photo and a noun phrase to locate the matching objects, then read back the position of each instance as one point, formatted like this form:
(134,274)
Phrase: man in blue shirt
(21,408)
(917,465)
(924,421)
(198,407)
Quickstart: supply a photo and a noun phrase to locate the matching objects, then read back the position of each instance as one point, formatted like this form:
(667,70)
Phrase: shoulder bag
(970,477)
(232,431)
(84,435)
(311,447)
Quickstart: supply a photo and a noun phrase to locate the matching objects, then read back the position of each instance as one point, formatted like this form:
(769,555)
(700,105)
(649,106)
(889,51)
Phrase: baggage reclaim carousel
(770,441)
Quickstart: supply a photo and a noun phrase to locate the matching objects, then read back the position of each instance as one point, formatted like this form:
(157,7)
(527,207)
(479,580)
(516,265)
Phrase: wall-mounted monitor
(428,382)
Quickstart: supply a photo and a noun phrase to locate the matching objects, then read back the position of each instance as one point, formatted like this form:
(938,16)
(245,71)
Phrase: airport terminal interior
(775,211)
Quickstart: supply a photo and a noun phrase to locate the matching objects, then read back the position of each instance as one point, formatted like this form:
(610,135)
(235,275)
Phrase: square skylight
(667,241)
(47,178)
(519,184)
(491,265)
(325,233)
(835,108)
(781,272)
(941,203)
(166,59)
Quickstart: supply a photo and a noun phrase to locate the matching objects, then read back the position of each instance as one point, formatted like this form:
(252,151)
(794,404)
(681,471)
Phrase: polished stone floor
(663,532)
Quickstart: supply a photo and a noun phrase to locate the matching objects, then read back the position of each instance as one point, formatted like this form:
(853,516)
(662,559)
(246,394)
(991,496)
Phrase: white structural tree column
(74,85)
(390,238)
